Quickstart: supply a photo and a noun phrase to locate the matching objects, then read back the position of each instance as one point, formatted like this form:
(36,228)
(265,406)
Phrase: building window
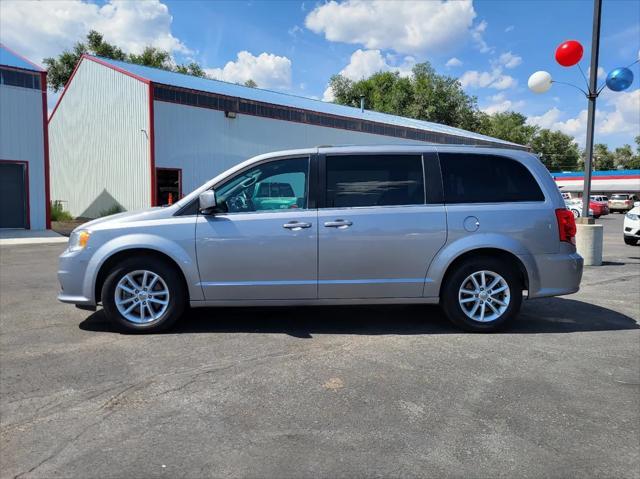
(265,110)
(19,78)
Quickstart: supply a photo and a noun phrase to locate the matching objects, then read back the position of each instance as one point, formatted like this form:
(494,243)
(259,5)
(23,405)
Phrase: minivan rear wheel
(143,295)
(482,294)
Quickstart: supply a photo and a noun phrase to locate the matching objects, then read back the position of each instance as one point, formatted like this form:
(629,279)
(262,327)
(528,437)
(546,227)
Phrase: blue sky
(292,46)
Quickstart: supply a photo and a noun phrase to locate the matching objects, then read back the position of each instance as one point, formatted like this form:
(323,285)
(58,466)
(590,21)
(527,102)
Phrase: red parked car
(599,209)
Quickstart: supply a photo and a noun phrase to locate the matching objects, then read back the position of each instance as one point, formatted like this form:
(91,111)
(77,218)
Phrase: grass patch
(58,213)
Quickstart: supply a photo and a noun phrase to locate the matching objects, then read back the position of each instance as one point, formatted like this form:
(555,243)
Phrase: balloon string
(583,76)
(571,84)
(631,64)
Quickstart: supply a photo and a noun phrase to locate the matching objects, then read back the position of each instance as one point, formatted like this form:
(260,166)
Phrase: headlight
(78,240)
(632,217)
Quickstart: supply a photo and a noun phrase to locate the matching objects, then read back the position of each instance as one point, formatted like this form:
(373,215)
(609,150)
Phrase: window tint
(276,185)
(374,180)
(472,178)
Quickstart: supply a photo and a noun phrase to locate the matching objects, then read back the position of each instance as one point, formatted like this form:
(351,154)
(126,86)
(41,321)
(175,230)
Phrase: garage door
(13,196)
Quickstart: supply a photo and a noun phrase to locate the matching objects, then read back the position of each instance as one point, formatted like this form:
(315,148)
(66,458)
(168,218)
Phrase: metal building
(24,152)
(132,136)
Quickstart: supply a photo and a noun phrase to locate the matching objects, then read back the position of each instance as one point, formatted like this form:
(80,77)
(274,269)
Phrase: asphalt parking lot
(322,392)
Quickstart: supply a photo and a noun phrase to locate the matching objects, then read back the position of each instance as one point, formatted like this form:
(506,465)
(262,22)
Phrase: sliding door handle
(338,224)
(296,225)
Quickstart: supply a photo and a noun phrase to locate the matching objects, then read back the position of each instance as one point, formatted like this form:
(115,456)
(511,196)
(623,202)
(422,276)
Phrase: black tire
(168,274)
(630,241)
(454,281)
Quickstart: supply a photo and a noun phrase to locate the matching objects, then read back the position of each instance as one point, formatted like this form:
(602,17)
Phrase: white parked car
(631,226)
(575,206)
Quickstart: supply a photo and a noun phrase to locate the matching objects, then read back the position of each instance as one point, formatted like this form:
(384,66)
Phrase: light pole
(568,54)
(591,114)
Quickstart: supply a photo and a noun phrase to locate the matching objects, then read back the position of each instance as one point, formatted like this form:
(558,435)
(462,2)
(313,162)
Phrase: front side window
(374,180)
(476,178)
(276,185)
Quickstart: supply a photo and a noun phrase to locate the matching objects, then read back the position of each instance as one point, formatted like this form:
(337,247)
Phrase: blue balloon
(619,79)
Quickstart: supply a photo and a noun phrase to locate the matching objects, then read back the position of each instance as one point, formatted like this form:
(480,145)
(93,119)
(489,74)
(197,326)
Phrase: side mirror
(207,202)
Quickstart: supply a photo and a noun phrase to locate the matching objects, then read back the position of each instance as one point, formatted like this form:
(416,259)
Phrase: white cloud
(619,115)
(477,35)
(364,63)
(625,118)
(500,103)
(43,29)
(509,60)
(601,72)
(409,27)
(510,28)
(493,79)
(453,62)
(267,70)
(294,30)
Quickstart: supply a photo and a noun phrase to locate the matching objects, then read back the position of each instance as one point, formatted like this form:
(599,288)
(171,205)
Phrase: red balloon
(569,53)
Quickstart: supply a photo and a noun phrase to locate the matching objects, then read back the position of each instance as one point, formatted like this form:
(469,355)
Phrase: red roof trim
(118,69)
(152,147)
(45,136)
(66,87)
(39,69)
(103,63)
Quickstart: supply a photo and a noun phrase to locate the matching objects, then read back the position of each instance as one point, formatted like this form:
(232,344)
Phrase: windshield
(619,197)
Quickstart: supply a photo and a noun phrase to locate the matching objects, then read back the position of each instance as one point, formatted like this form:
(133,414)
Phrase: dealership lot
(322,392)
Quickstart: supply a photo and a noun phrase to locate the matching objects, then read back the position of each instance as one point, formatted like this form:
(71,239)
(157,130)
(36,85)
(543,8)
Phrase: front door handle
(338,224)
(296,225)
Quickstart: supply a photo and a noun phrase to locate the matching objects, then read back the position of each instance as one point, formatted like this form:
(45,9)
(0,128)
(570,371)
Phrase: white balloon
(539,82)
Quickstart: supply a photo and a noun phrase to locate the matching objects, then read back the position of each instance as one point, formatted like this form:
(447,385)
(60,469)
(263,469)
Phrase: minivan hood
(128,216)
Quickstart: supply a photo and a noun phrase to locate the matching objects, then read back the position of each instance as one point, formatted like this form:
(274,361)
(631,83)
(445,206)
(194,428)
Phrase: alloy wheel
(484,296)
(141,296)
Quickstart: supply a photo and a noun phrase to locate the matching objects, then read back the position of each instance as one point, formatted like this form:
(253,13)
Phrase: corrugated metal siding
(203,143)
(21,139)
(99,143)
(277,98)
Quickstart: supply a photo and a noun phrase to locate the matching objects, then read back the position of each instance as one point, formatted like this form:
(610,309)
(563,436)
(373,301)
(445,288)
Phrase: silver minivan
(473,229)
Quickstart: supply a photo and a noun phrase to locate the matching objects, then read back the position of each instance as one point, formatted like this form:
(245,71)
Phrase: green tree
(424,95)
(250,83)
(603,158)
(623,157)
(508,126)
(152,57)
(61,68)
(557,151)
(191,69)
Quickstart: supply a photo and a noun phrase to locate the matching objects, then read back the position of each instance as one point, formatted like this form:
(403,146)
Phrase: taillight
(566,225)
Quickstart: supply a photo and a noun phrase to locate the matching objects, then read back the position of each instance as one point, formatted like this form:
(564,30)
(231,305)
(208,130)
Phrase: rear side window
(475,178)
(374,180)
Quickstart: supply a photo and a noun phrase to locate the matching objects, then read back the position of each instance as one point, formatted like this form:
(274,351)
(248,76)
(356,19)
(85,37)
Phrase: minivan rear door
(377,228)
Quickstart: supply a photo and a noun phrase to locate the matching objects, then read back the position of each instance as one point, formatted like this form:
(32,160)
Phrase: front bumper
(72,268)
(557,275)
(632,232)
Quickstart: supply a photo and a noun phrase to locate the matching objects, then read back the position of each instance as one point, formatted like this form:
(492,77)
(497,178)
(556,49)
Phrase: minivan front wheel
(482,294)
(143,295)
